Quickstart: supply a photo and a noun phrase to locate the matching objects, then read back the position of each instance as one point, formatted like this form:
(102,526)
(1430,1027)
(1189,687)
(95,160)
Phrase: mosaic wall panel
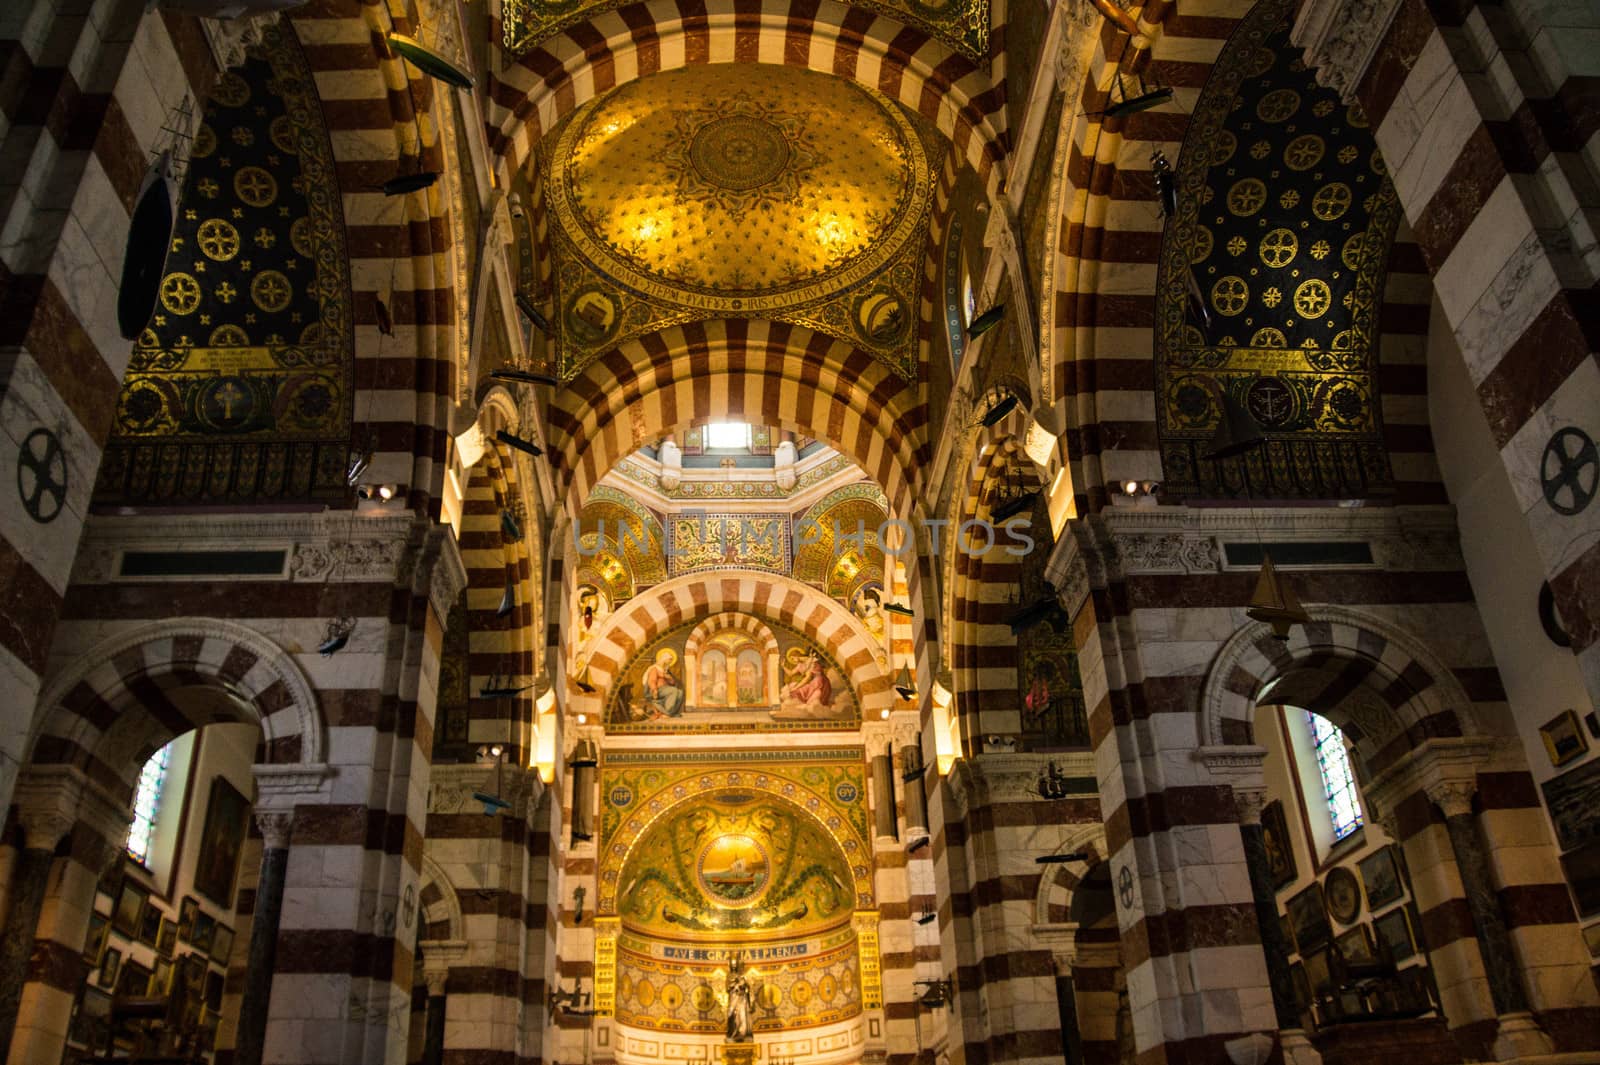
(1285,218)
(739,191)
(701,541)
(241,387)
(750,675)
(961,24)
(720,490)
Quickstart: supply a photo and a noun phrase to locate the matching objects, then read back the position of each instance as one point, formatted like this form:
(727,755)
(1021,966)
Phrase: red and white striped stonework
(530,93)
(1487,118)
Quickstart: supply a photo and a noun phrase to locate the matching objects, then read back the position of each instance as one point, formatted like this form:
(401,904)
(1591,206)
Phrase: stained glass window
(147,804)
(1338,783)
(728,435)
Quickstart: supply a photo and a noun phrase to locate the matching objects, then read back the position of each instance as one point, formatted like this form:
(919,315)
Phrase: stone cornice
(1340,38)
(283,786)
(1442,768)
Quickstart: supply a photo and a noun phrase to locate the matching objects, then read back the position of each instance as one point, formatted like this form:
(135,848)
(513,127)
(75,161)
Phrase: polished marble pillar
(253,1009)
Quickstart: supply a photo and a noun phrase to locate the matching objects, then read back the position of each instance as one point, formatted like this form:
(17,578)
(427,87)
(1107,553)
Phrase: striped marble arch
(532,93)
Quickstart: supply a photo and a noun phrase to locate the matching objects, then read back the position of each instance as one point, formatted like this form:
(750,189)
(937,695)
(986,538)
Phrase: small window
(147,804)
(728,436)
(1338,783)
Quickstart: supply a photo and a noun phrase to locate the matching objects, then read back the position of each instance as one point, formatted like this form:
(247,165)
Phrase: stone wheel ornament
(1569,471)
(42,475)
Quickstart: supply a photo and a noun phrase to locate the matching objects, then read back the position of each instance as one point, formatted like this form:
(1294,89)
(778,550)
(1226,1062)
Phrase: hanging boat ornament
(1275,602)
(155,213)
(430,61)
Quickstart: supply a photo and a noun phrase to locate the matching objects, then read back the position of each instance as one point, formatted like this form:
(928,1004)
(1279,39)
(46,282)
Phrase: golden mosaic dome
(740,187)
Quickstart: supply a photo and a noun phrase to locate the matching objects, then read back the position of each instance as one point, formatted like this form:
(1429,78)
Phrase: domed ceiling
(739,191)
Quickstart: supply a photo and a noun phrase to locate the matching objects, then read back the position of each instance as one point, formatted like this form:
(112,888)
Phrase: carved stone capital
(1452,797)
(275,827)
(50,801)
(1340,39)
(229,38)
(448,578)
(1248,803)
(1068,574)
(283,786)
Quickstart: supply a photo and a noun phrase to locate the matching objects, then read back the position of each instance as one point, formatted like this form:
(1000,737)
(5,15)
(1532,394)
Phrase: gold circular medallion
(1278,248)
(180,293)
(1312,298)
(218,239)
(229,336)
(231,90)
(1269,337)
(1331,201)
(255,186)
(205,142)
(1278,105)
(1246,197)
(270,291)
(1304,152)
(1230,294)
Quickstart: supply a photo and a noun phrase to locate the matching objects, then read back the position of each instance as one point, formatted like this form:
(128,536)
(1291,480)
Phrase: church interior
(799,532)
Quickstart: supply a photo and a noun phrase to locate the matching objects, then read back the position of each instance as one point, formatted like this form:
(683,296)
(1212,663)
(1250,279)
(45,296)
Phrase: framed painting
(227,812)
(1317,974)
(1280,850)
(1302,984)
(205,929)
(1286,926)
(1343,893)
(128,916)
(1309,917)
(1356,946)
(161,982)
(91,1021)
(150,925)
(187,912)
(1394,934)
(1582,868)
(95,941)
(167,938)
(1574,802)
(1563,738)
(110,965)
(134,980)
(1381,875)
(221,944)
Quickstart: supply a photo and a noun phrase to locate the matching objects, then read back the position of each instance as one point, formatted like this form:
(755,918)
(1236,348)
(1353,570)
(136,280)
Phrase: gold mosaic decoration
(240,388)
(739,191)
(961,24)
(1285,219)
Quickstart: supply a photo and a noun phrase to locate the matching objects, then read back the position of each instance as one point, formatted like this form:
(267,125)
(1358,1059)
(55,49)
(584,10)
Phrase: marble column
(886,821)
(433,1040)
(43,830)
(275,828)
(1519,1034)
(1273,942)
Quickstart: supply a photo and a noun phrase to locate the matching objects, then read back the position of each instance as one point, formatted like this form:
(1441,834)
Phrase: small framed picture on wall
(1394,933)
(221,944)
(95,941)
(1563,738)
(150,925)
(1381,875)
(110,966)
(128,917)
(167,938)
(187,912)
(1309,916)
(205,929)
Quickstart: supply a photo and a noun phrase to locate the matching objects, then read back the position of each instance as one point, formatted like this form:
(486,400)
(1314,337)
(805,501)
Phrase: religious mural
(1268,294)
(240,388)
(747,866)
(731,673)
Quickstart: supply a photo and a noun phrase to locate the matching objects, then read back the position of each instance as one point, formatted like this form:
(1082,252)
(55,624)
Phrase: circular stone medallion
(734,870)
(739,152)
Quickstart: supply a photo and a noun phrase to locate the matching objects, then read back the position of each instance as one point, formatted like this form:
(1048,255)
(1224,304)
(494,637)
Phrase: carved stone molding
(51,800)
(451,789)
(1340,39)
(448,579)
(1446,770)
(1240,767)
(1016,777)
(229,38)
(1068,574)
(1452,797)
(1167,553)
(275,825)
(438,955)
(282,787)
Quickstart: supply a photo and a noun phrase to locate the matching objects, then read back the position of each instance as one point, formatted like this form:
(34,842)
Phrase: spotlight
(380,493)
(527,377)
(986,321)
(583,719)
(884,713)
(531,311)
(512,440)
(430,62)
(1130,488)
(899,608)
(401,184)
(1011,508)
(1062,859)
(999,410)
(1031,615)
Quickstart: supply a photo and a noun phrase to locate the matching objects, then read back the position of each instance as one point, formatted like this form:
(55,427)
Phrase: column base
(1297,1049)
(1521,1037)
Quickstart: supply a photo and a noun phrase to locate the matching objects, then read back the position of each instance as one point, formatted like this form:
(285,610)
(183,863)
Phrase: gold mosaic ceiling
(735,191)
